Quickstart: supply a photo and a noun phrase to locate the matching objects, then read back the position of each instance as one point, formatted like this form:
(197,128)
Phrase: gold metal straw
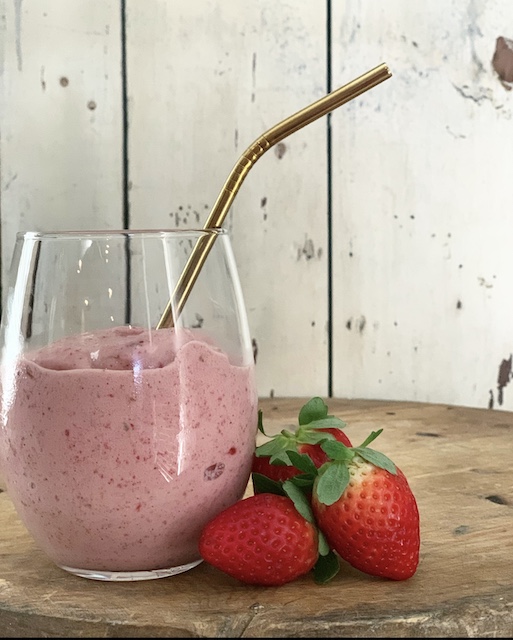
(239,172)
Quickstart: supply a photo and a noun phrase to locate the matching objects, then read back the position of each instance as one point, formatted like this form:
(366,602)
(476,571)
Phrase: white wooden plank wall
(60,118)
(204,83)
(422,177)
(419,173)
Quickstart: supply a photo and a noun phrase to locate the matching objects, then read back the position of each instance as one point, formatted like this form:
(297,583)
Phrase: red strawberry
(373,524)
(276,472)
(307,439)
(261,540)
(318,456)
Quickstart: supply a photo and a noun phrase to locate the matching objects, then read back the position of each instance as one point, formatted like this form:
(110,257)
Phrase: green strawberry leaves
(326,567)
(328,564)
(313,416)
(263,484)
(376,458)
(337,450)
(303,462)
(332,482)
(316,410)
(303,506)
(276,447)
(299,499)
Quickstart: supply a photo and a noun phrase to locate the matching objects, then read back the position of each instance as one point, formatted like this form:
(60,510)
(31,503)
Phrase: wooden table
(459,464)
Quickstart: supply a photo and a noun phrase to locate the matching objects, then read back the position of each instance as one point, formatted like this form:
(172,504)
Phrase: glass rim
(120,233)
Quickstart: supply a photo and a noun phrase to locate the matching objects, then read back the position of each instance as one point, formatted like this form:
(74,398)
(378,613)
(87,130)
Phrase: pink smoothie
(117,446)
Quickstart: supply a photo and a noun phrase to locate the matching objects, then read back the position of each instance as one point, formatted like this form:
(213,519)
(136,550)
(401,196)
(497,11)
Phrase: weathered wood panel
(422,176)
(61,124)
(205,80)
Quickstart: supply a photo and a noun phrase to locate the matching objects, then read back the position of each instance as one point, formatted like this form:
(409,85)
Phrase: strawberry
(261,540)
(271,459)
(365,508)
(318,456)
(277,472)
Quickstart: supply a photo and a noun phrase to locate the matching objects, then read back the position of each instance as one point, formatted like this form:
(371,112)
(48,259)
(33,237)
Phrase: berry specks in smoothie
(214,471)
(127,435)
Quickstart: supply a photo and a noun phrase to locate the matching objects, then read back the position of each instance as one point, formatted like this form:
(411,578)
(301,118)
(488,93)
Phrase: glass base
(130,576)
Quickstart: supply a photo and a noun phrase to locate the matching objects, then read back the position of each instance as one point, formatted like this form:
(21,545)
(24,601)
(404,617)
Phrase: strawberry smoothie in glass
(119,440)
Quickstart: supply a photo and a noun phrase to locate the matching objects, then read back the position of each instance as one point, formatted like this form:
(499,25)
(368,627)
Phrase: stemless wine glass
(119,440)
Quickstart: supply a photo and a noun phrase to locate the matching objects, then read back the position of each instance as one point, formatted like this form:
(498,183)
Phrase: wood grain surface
(458,462)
